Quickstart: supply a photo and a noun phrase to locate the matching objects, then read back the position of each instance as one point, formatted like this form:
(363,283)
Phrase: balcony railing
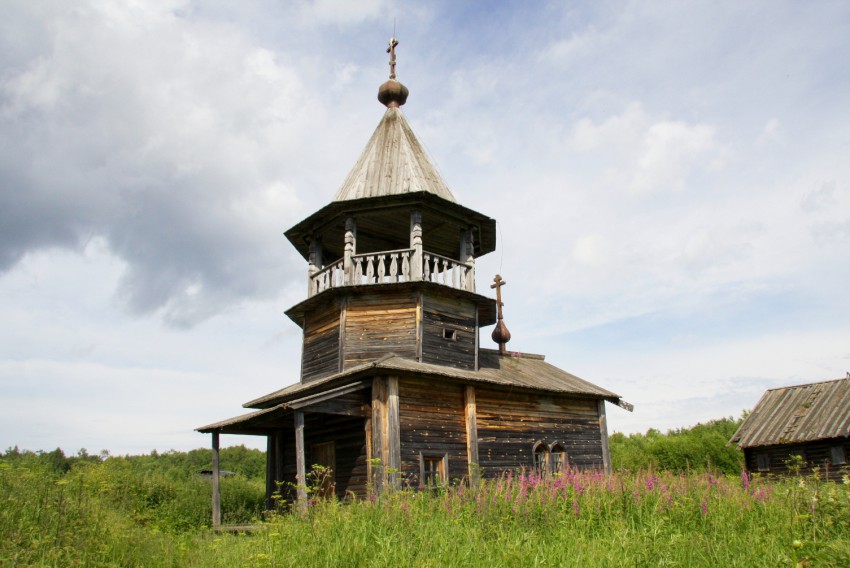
(393,266)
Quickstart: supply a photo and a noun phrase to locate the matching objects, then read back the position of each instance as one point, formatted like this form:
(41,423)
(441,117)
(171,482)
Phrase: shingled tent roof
(795,414)
(393,163)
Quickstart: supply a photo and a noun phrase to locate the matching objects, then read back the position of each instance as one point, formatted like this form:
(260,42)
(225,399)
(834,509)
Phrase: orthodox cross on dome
(500,335)
(391,51)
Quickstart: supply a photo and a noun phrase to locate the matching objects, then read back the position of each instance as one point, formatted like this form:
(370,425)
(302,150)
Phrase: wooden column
(393,433)
(603,433)
(300,463)
(349,250)
(416,245)
(216,488)
(271,455)
(386,438)
(471,434)
(378,421)
(467,256)
(314,264)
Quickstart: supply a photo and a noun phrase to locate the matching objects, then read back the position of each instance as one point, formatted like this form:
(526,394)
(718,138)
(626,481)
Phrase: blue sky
(670,182)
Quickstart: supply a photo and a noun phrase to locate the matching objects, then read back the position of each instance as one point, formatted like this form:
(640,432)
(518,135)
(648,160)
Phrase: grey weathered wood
(392,429)
(216,488)
(314,264)
(327,395)
(416,244)
(350,249)
(603,433)
(471,433)
(300,462)
(343,309)
(379,452)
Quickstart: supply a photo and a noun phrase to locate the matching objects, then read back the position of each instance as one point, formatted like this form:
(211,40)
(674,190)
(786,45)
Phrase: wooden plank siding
(431,419)
(377,324)
(349,440)
(509,423)
(816,454)
(442,314)
(320,355)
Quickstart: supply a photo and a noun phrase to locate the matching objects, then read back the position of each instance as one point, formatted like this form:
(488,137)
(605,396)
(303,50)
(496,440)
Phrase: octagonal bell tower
(391,260)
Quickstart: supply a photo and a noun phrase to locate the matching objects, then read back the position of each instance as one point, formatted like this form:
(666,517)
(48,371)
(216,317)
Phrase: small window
(450,334)
(557,459)
(838,455)
(763,462)
(540,456)
(433,469)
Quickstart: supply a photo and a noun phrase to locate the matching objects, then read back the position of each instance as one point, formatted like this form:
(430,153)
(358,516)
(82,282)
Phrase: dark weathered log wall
(817,454)
(431,417)
(377,324)
(320,355)
(441,314)
(510,423)
(349,438)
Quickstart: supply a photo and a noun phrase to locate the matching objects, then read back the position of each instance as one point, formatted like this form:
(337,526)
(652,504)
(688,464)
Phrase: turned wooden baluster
(382,269)
(405,266)
(394,267)
(370,269)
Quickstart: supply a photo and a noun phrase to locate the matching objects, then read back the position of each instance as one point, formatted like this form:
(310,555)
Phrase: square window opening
(433,469)
(450,334)
(838,455)
(763,462)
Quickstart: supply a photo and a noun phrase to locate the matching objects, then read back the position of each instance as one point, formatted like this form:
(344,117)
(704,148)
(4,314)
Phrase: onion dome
(392,94)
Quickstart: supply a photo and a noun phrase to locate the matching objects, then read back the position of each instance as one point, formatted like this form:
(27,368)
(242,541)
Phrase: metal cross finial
(498,283)
(391,51)
(500,335)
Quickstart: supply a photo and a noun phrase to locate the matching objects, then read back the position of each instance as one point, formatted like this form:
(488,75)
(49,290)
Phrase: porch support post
(216,491)
(271,454)
(603,433)
(349,250)
(471,435)
(300,467)
(416,245)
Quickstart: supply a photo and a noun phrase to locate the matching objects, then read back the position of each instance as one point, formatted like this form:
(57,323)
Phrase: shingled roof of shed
(795,414)
(518,370)
(393,163)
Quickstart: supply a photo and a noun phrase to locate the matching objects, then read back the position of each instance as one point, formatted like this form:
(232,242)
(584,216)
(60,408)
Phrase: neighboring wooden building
(809,421)
(394,388)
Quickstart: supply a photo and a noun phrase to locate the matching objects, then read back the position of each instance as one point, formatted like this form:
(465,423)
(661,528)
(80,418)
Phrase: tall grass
(109,514)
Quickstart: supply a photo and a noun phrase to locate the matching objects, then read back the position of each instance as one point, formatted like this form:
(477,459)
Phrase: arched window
(540,455)
(557,458)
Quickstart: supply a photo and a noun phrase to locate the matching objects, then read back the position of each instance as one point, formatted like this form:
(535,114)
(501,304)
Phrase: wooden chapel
(395,389)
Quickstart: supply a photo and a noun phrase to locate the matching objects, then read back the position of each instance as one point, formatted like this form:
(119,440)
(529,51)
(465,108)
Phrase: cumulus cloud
(170,138)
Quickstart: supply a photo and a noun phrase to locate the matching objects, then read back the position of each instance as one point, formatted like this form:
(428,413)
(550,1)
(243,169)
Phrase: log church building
(395,389)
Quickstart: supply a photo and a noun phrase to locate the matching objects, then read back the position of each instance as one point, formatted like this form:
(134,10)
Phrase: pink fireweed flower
(703,507)
(575,508)
(745,480)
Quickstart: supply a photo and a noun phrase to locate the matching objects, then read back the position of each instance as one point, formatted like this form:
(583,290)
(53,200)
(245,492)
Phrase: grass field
(111,513)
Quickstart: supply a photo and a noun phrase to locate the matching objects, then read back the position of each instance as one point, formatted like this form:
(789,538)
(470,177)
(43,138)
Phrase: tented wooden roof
(393,163)
(517,370)
(800,413)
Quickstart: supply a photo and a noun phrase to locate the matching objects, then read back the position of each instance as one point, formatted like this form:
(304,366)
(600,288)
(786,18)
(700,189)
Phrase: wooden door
(324,462)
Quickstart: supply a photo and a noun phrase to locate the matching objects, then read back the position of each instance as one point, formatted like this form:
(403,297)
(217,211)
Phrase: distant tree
(701,447)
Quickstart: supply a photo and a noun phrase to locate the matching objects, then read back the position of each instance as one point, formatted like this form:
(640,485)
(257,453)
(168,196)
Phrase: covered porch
(335,429)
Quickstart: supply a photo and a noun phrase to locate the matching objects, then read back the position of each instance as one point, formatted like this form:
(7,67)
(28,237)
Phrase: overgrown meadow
(155,510)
